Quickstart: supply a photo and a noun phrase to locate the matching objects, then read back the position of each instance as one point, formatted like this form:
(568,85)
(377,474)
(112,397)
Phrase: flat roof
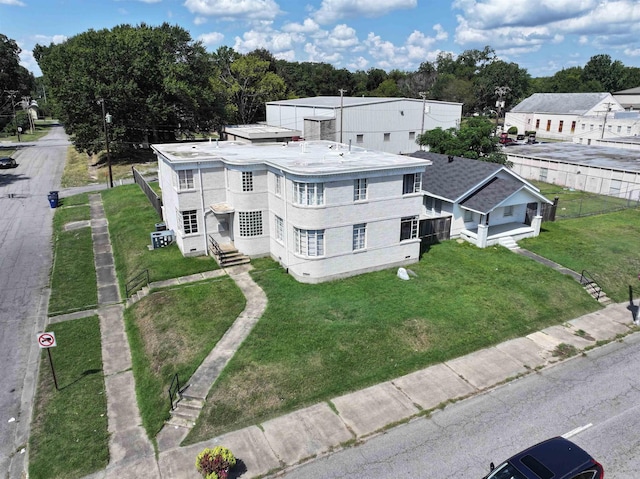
(301,158)
(604,157)
(347,101)
(260,131)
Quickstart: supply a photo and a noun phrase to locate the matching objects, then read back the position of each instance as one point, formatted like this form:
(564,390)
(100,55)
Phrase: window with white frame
(279,229)
(185,180)
(360,189)
(412,183)
(250,223)
(508,210)
(247,181)
(278,185)
(189,221)
(408,228)
(309,242)
(359,138)
(628,130)
(387,137)
(412,135)
(619,129)
(359,236)
(308,194)
(468,216)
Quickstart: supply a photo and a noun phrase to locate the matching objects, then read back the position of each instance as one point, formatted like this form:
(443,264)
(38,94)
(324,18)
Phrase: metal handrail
(215,246)
(587,280)
(174,390)
(138,281)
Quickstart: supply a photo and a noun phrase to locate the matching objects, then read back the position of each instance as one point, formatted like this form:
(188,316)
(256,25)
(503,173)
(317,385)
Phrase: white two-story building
(323,210)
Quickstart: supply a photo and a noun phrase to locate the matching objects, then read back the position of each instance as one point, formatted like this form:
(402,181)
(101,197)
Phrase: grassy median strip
(69,436)
(73,275)
(315,342)
(171,332)
(132,219)
(607,246)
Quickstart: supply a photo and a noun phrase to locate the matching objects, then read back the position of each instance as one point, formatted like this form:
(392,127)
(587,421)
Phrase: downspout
(204,213)
(286,222)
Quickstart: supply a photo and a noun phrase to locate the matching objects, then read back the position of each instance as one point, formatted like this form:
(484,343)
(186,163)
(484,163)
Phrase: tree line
(158,84)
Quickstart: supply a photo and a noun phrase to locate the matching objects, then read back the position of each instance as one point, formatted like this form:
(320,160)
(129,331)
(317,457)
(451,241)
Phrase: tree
(154,81)
(600,68)
(472,140)
(248,84)
(15,80)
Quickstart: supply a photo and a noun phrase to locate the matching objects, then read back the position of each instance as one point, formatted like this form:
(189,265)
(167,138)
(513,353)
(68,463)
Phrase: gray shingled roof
(570,103)
(453,179)
(485,199)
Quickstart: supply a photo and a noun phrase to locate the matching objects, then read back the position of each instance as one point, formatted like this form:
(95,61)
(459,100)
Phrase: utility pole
(606,114)
(106,118)
(12,95)
(423,94)
(342,92)
(501,91)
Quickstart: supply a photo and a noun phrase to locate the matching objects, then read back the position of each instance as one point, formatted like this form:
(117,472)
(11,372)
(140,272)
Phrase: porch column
(536,223)
(483,232)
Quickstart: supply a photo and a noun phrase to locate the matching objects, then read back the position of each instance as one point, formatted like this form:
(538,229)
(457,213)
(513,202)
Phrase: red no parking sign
(46,340)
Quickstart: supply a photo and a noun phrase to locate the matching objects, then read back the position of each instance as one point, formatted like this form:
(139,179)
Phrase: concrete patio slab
(433,386)
(369,410)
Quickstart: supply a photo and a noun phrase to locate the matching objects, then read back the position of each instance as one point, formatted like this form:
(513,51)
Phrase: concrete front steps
(186,412)
(509,243)
(596,293)
(229,256)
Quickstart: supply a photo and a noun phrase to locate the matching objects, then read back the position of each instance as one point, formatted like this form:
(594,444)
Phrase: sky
(542,36)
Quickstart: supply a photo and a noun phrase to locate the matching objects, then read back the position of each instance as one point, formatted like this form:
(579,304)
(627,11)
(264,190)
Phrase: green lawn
(171,332)
(131,222)
(319,341)
(575,203)
(607,246)
(69,436)
(73,275)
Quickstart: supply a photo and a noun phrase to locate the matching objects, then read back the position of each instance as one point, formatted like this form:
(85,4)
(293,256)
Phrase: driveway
(25,260)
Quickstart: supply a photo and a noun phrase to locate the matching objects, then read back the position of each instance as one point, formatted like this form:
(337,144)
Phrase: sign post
(48,341)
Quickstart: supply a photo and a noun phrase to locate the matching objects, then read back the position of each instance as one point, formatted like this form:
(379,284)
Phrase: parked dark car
(7,162)
(555,458)
(507,141)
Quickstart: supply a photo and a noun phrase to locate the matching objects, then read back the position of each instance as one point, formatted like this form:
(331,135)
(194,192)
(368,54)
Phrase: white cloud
(308,26)
(315,55)
(359,63)
(341,37)
(213,38)
(15,3)
(48,39)
(227,9)
(200,20)
(632,52)
(333,10)
(274,41)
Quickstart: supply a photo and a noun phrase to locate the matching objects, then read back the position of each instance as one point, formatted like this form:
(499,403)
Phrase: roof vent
(450,158)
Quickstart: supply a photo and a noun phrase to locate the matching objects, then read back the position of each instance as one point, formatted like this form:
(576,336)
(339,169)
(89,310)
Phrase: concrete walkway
(131,454)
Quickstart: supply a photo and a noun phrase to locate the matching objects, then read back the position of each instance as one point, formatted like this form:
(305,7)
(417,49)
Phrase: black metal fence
(153,197)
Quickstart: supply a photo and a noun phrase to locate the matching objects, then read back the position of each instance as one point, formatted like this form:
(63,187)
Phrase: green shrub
(513,130)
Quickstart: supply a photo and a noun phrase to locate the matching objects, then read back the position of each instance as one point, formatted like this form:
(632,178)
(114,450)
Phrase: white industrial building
(323,210)
(577,117)
(383,124)
(596,169)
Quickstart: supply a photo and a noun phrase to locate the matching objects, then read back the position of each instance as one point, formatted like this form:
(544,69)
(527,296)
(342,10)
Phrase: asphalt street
(594,399)
(25,260)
